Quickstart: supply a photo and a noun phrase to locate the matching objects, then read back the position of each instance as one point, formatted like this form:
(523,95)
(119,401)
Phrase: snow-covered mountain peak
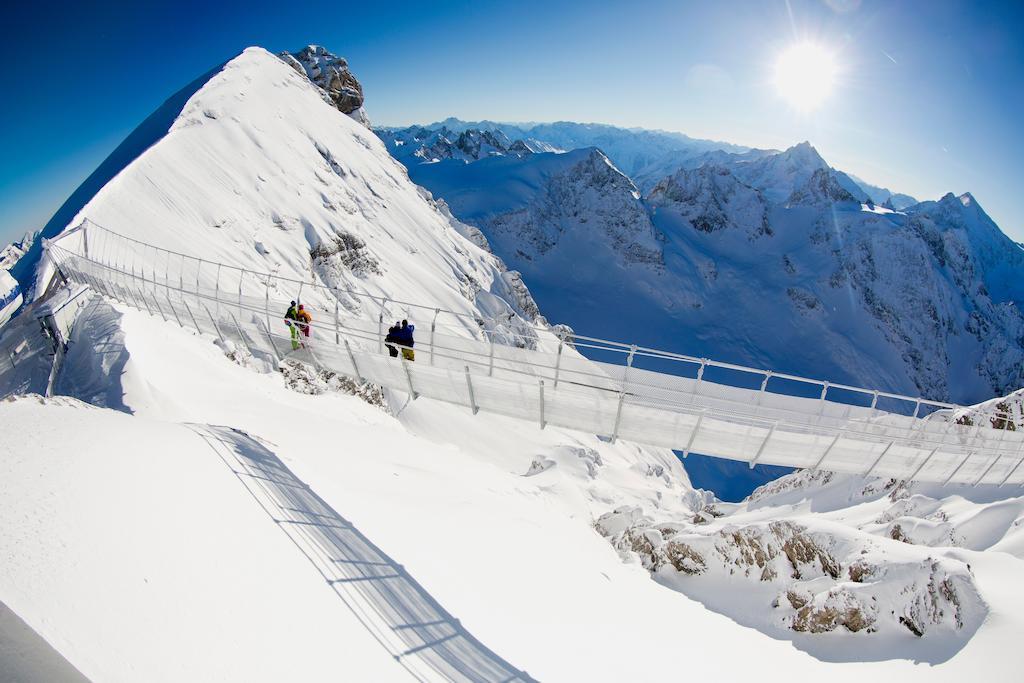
(823,187)
(331,74)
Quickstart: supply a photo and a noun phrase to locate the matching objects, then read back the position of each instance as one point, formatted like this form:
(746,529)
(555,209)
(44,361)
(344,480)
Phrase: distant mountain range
(765,258)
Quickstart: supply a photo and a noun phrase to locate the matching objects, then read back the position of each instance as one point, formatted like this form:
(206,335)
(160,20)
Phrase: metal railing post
(380,323)
(490,360)
(337,322)
(542,422)
(266,302)
(216,292)
(472,396)
(433,326)
(700,378)
(558,359)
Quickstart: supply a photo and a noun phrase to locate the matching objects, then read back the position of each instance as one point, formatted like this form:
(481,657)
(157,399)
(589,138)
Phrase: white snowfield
(558,386)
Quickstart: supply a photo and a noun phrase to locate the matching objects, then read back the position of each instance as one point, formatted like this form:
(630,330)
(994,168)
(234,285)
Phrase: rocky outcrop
(824,580)
(331,74)
(712,199)
(823,187)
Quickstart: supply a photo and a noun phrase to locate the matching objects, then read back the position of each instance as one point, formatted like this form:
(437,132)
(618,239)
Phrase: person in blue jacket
(405,338)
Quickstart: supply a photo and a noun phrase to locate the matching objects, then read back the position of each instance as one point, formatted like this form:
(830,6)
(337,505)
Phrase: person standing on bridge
(405,338)
(303,320)
(291,319)
(392,339)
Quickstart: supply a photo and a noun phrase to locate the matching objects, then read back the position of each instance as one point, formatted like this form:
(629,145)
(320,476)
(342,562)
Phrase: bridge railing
(552,384)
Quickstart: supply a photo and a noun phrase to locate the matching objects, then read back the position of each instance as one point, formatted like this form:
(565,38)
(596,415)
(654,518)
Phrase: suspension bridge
(608,388)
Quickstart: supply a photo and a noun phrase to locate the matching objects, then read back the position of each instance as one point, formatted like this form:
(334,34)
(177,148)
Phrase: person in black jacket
(392,338)
(405,338)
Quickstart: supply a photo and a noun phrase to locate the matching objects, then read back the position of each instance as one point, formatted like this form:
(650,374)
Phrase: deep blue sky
(929,100)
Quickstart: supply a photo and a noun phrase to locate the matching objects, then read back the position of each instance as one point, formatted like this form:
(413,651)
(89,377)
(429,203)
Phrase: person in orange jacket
(303,320)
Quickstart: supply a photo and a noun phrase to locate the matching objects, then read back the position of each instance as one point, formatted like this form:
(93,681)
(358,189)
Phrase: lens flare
(804,75)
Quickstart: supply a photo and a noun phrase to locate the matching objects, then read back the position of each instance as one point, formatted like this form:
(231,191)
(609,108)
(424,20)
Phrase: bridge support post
(472,397)
(193,316)
(216,327)
(1014,469)
(408,379)
(171,305)
(156,302)
(764,443)
(827,451)
(879,459)
(352,359)
(144,302)
(998,455)
(273,348)
(923,463)
(241,335)
(963,462)
(693,434)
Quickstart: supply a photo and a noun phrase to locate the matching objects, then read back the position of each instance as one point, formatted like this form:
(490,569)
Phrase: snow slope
(136,538)
(444,494)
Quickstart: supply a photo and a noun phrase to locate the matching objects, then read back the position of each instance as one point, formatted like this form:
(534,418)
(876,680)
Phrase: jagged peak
(803,152)
(332,75)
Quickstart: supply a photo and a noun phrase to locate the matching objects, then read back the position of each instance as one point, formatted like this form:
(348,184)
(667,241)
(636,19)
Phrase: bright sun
(804,75)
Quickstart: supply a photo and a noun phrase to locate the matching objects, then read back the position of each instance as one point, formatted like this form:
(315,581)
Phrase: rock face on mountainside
(331,74)
(590,195)
(711,198)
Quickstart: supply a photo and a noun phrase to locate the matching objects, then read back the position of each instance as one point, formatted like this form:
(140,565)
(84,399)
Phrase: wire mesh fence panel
(603,387)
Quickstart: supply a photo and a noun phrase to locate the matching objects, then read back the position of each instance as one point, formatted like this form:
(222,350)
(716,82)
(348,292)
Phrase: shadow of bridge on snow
(428,641)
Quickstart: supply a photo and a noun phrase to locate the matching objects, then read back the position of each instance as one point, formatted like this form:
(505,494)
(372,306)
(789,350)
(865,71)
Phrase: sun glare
(804,75)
